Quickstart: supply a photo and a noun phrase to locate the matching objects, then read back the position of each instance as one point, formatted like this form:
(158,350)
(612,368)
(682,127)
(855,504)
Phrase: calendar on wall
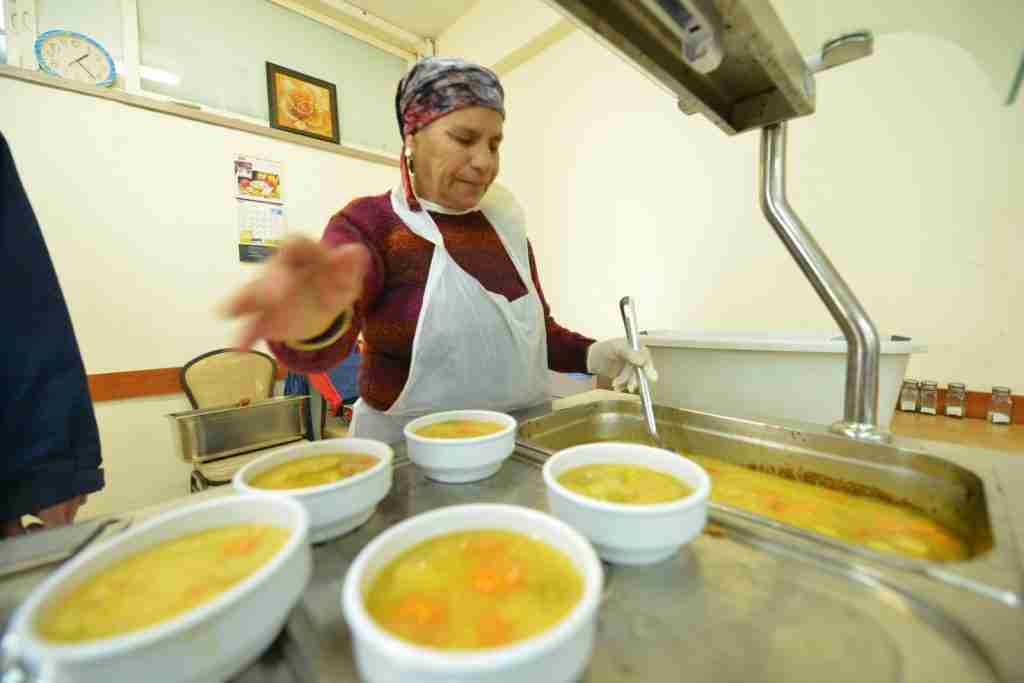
(259,199)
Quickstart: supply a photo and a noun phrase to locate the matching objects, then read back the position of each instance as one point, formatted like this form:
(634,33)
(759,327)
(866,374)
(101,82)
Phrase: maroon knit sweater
(393,294)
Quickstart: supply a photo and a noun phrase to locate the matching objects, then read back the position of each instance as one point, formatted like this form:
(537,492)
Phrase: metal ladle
(628,311)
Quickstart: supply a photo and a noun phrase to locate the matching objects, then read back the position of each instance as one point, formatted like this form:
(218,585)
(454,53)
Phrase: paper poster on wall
(261,229)
(258,179)
(259,200)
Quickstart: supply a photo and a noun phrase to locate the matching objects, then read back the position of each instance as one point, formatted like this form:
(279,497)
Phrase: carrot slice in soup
(420,610)
(498,576)
(493,629)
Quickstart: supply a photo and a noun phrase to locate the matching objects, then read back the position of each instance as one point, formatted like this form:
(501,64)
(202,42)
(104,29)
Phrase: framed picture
(302,104)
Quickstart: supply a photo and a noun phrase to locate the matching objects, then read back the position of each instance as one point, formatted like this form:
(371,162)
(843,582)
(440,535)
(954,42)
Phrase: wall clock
(76,57)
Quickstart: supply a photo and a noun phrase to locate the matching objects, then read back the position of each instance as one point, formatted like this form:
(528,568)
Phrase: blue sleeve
(345,377)
(51,446)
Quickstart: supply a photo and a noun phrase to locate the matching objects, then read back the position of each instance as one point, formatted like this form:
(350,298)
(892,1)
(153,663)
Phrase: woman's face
(456,157)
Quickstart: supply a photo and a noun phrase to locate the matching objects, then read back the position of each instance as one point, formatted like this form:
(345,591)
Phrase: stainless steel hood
(731,60)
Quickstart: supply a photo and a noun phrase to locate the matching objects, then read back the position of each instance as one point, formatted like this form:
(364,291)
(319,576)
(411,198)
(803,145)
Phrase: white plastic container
(460,461)
(630,534)
(557,655)
(767,375)
(205,644)
(337,508)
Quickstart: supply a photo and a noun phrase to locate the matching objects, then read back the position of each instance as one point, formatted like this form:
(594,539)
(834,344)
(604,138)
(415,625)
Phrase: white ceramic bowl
(458,461)
(337,508)
(630,534)
(211,642)
(558,655)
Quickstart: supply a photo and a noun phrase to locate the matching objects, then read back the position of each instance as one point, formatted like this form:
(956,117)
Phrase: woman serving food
(437,275)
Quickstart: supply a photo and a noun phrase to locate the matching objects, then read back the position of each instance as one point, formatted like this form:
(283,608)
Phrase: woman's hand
(615,359)
(303,288)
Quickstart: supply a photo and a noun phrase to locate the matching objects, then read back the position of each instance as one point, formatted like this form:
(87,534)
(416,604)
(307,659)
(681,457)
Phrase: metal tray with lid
(212,433)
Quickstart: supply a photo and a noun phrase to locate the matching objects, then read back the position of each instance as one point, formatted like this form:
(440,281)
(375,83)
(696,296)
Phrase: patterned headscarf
(437,86)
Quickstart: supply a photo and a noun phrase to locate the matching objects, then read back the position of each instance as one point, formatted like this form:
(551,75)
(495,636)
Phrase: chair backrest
(227,376)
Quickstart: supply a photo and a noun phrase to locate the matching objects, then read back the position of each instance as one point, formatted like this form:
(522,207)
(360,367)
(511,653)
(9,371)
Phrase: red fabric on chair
(322,383)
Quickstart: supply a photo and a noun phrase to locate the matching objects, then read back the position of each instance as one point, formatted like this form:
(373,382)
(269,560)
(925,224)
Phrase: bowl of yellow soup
(338,481)
(460,446)
(193,595)
(636,504)
(481,593)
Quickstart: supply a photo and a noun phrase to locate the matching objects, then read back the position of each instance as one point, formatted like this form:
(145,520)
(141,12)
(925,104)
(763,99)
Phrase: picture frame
(300,103)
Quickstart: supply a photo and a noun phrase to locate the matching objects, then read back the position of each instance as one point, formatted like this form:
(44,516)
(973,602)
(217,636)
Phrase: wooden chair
(228,377)
(225,377)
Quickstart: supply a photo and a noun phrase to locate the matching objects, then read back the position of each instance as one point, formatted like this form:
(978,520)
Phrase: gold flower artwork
(303,106)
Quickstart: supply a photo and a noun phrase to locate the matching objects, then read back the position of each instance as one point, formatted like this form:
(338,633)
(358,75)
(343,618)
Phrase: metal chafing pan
(952,493)
(213,433)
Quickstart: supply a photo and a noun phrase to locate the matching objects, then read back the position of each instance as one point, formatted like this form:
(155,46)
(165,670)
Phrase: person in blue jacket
(50,459)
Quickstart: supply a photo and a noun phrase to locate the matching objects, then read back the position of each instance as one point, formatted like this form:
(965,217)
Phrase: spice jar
(1000,407)
(929,399)
(909,395)
(956,399)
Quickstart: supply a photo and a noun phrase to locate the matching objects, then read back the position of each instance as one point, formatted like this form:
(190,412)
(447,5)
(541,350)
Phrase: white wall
(909,175)
(988,30)
(509,26)
(139,461)
(138,212)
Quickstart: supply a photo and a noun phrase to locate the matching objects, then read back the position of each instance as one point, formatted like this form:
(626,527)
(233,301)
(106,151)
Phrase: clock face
(75,57)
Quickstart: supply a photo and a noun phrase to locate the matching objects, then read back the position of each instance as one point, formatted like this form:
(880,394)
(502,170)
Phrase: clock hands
(79,63)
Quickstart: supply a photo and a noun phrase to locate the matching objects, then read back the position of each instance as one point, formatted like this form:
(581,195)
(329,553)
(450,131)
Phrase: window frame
(20,40)
(3,27)
(401,43)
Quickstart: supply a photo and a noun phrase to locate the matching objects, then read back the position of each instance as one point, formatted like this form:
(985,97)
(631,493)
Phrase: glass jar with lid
(1000,407)
(929,398)
(956,399)
(909,395)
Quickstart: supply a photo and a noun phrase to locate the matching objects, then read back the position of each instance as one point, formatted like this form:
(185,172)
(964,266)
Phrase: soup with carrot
(315,470)
(870,522)
(160,583)
(459,429)
(473,590)
(618,483)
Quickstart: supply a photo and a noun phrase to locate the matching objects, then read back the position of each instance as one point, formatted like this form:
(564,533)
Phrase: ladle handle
(628,311)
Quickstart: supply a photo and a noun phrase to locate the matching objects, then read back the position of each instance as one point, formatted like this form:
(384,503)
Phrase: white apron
(473,348)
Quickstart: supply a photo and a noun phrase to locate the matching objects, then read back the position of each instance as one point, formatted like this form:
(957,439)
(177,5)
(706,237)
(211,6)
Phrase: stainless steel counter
(745,601)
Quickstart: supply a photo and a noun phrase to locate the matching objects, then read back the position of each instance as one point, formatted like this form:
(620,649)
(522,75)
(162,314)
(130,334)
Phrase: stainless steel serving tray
(732,606)
(214,433)
(954,493)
